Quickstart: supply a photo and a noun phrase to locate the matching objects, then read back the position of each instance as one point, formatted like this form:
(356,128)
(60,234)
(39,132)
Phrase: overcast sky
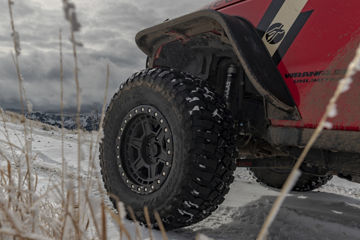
(108,30)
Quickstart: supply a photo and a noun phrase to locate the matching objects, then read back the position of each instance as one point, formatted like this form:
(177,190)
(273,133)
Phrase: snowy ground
(332,212)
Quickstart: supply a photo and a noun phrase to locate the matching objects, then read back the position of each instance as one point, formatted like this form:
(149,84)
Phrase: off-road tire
(275,178)
(203,162)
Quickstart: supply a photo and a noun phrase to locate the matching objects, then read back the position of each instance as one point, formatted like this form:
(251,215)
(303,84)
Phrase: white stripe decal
(281,24)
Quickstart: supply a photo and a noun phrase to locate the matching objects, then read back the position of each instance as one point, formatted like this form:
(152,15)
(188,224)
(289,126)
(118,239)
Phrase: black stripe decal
(269,16)
(291,36)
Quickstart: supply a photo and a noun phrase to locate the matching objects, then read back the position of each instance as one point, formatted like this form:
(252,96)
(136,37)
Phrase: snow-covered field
(332,212)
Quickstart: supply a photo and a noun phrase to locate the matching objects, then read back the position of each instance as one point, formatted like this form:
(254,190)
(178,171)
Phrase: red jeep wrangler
(242,82)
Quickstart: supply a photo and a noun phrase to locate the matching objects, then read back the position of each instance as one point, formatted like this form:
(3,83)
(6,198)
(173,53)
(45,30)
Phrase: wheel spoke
(139,163)
(136,142)
(152,170)
(160,133)
(146,127)
(163,156)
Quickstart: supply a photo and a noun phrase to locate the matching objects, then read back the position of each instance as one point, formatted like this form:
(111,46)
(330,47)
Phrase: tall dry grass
(67,209)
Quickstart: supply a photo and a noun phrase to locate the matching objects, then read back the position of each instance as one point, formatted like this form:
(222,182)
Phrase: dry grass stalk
(133,218)
(20,149)
(16,235)
(342,87)
(17,49)
(92,162)
(103,221)
(7,136)
(63,170)
(161,225)
(70,15)
(27,141)
(92,156)
(119,222)
(120,210)
(66,209)
(93,216)
(148,222)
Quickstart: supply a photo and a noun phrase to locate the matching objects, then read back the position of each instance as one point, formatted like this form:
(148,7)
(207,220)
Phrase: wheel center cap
(151,149)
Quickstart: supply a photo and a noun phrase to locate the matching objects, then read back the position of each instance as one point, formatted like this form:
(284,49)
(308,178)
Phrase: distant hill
(89,121)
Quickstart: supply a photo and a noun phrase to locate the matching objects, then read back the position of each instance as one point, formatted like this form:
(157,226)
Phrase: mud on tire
(192,181)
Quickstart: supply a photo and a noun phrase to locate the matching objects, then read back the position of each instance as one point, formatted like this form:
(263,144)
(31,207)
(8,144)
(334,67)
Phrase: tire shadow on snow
(313,215)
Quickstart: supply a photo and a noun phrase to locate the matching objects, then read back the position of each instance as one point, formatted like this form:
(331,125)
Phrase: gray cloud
(108,30)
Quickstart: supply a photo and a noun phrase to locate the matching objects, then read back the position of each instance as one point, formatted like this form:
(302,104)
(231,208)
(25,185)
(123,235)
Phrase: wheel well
(231,31)
(198,55)
(209,57)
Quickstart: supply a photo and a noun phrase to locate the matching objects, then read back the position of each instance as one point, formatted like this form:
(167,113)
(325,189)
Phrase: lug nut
(166,130)
(168,141)
(156,114)
(158,181)
(142,109)
(164,173)
(169,152)
(149,110)
(167,163)
(161,120)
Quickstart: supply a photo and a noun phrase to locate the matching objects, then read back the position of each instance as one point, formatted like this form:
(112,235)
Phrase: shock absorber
(230,78)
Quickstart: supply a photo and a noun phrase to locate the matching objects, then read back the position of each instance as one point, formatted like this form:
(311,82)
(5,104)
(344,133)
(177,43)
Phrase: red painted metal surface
(317,58)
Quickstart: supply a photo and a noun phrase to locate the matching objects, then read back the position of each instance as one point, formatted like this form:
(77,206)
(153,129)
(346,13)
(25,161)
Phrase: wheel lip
(155,113)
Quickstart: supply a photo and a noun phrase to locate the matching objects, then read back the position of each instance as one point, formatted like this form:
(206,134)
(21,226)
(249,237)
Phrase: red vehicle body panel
(317,58)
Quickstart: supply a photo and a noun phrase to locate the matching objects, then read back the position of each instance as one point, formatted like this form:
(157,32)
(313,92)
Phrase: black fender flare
(241,34)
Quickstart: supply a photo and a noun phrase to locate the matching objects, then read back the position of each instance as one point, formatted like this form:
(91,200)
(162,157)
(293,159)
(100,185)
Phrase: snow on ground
(332,212)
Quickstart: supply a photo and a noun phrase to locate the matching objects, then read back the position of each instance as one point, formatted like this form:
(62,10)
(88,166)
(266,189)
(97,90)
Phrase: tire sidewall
(129,98)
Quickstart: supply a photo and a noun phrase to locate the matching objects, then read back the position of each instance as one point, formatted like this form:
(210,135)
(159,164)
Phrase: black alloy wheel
(144,149)
(169,145)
